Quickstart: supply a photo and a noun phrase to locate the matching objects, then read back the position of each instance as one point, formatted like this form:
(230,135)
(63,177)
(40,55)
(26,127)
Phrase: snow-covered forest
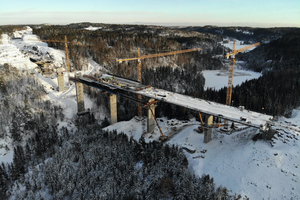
(48,152)
(95,164)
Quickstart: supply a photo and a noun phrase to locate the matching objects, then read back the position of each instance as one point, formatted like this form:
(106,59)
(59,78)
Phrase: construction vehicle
(139,66)
(218,125)
(231,72)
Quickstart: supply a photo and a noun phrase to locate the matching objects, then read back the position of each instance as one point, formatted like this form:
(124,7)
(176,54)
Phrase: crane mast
(231,72)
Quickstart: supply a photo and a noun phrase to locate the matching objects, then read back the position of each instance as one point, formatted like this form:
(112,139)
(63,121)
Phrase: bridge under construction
(129,89)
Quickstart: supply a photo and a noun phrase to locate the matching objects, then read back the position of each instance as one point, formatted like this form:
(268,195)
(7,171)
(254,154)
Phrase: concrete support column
(60,80)
(208,131)
(80,96)
(269,134)
(140,109)
(113,108)
(150,120)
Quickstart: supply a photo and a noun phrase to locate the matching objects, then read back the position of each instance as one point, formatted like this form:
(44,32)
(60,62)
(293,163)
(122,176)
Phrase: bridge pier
(113,108)
(151,115)
(209,120)
(268,135)
(80,96)
(60,80)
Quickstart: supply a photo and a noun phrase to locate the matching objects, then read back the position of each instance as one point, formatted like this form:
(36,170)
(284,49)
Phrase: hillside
(276,92)
(38,121)
(281,72)
(277,55)
(248,34)
(104,43)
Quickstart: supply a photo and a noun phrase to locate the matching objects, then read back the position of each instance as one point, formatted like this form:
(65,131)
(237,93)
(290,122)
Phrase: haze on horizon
(254,13)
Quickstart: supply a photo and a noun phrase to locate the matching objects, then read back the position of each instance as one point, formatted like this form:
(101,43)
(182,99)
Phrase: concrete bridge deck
(120,86)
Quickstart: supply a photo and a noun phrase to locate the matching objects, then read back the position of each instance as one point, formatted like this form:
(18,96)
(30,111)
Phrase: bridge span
(124,87)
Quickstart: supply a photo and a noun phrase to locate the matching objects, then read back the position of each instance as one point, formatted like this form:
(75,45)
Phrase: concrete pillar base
(269,134)
(60,80)
(80,97)
(209,120)
(113,108)
(150,120)
(207,135)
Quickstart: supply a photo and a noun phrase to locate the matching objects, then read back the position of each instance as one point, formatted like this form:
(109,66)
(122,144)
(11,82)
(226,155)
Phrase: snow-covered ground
(250,168)
(217,79)
(91,28)
(16,52)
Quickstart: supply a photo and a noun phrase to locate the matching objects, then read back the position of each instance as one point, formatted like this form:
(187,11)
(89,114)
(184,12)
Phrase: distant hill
(243,33)
(277,55)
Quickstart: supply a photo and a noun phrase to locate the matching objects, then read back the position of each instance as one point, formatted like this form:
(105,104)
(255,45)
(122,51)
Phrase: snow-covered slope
(253,169)
(16,53)
(91,28)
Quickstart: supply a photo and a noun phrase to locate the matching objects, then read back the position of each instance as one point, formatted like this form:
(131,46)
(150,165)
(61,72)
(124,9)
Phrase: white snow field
(255,169)
(252,169)
(91,28)
(217,79)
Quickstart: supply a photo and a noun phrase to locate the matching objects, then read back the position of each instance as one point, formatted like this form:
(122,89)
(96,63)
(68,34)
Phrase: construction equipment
(231,68)
(231,72)
(139,66)
(218,125)
(201,128)
(162,137)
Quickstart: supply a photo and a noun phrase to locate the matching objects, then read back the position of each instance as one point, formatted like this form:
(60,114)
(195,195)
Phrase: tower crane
(231,71)
(139,66)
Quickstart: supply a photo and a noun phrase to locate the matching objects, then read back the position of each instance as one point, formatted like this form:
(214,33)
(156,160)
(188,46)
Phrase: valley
(262,169)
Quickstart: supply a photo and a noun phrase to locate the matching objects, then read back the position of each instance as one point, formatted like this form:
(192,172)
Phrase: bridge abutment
(113,108)
(151,115)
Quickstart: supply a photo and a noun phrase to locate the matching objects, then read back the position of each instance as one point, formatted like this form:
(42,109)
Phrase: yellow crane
(139,65)
(231,68)
(231,71)
(201,128)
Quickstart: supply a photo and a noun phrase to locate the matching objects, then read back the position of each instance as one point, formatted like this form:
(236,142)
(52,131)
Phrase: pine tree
(15,130)
(105,122)
(3,181)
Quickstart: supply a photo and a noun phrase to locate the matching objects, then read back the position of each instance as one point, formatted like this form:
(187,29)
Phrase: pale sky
(255,13)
